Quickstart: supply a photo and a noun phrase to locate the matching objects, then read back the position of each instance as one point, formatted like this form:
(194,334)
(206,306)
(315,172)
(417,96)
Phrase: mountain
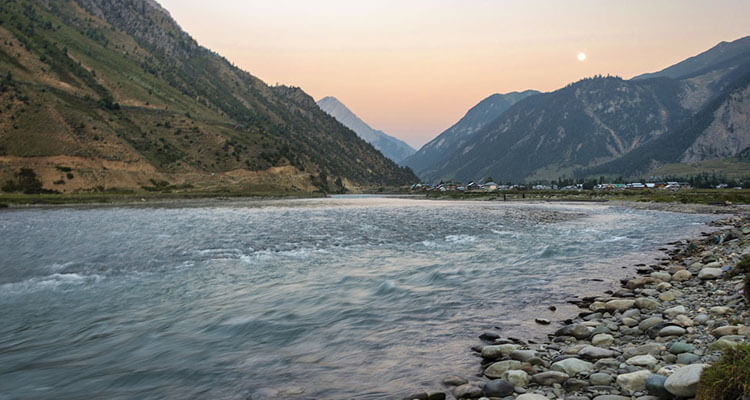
(390,146)
(423,161)
(113,94)
(610,126)
(720,54)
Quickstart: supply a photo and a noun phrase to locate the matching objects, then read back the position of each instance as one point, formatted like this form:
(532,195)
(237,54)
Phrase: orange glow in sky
(412,68)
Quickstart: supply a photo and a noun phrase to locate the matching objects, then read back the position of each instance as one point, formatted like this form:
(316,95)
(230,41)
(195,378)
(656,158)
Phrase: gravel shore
(648,340)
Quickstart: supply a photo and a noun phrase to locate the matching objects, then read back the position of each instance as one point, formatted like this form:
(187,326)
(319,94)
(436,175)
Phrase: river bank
(648,340)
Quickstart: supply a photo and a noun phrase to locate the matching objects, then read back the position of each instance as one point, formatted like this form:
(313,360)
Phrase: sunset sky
(413,67)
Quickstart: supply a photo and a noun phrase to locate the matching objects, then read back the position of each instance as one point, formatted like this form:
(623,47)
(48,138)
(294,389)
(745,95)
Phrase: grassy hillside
(118,94)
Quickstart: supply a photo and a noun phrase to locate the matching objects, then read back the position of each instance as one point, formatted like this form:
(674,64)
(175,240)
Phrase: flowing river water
(347,297)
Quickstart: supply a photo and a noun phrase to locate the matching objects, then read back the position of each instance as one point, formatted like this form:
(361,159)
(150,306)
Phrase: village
(491,186)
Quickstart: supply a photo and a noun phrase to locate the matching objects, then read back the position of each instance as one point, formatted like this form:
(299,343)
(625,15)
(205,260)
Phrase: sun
(581,56)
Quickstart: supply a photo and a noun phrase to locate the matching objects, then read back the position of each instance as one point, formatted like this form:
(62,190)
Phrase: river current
(341,298)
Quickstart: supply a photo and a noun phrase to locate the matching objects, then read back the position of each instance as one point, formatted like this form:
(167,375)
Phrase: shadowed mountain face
(609,126)
(426,160)
(391,147)
(117,89)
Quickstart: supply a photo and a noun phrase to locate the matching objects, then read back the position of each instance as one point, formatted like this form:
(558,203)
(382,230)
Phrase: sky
(412,68)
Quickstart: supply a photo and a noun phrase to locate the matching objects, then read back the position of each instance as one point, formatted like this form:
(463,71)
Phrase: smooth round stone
(602,339)
(701,319)
(661,275)
(655,386)
(715,264)
(672,330)
(597,306)
(682,276)
(629,322)
(498,351)
(600,379)
(577,331)
(664,286)
(517,377)
(634,381)
(454,381)
(725,330)
(650,323)
(632,313)
(601,329)
(572,366)
(710,273)
(669,295)
(549,378)
(681,347)
(498,388)
(683,321)
(575,385)
(643,361)
(687,358)
(719,310)
(496,370)
(645,303)
(594,353)
(611,397)
(532,396)
(523,355)
(684,381)
(467,391)
(619,305)
(675,311)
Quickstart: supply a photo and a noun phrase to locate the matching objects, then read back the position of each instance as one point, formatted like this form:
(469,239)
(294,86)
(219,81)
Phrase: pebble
(710,273)
(643,361)
(672,330)
(467,391)
(648,323)
(681,347)
(619,305)
(454,381)
(682,276)
(675,311)
(594,353)
(669,295)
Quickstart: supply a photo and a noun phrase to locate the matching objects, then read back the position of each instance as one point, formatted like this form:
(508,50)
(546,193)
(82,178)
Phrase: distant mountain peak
(391,147)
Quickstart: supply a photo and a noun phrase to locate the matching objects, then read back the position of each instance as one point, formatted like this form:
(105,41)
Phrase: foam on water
(349,297)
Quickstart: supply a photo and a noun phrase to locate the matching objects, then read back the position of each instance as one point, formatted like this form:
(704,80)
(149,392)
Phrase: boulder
(684,381)
(572,366)
(633,381)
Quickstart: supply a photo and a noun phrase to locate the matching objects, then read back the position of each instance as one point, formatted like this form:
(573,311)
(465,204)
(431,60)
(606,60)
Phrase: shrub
(26,182)
(728,379)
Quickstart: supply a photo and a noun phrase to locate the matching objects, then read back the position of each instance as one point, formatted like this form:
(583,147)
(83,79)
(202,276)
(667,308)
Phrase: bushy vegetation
(728,379)
(26,181)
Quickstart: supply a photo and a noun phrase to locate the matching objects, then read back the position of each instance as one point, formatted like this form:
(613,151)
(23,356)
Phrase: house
(490,186)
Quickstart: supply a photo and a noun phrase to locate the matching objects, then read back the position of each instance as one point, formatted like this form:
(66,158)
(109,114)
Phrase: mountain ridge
(391,147)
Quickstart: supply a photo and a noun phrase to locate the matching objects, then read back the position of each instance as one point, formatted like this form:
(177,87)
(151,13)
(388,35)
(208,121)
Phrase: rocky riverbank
(649,340)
